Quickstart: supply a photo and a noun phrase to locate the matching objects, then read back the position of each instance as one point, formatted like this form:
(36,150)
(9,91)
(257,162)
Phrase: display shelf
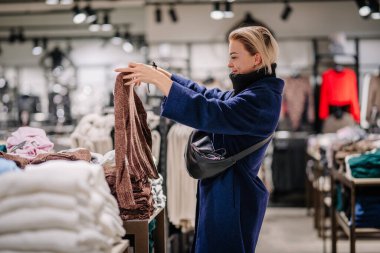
(138,231)
(339,218)
(121,247)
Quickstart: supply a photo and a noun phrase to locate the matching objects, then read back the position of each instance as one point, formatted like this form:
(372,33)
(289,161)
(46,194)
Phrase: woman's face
(241,61)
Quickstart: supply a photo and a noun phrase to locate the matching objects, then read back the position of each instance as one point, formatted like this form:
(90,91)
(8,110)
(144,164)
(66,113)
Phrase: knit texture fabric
(133,144)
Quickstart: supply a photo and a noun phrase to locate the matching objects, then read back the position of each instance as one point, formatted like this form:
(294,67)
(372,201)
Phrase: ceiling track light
(21,36)
(52,2)
(364,8)
(287,11)
(216,13)
(375,9)
(228,13)
(94,27)
(106,26)
(173,14)
(158,14)
(12,35)
(116,39)
(127,45)
(78,15)
(90,13)
(37,49)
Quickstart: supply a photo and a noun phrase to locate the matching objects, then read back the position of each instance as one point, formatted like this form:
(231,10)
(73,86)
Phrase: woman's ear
(257,59)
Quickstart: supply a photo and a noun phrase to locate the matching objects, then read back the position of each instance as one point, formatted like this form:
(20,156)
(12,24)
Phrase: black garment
(241,81)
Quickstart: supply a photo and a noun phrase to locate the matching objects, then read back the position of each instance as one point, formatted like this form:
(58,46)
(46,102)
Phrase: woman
(230,206)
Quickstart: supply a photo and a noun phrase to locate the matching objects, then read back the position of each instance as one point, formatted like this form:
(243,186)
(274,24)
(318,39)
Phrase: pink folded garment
(28,142)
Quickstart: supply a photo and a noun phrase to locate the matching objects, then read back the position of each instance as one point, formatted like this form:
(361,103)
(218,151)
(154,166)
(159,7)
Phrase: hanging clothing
(134,160)
(181,188)
(231,206)
(298,102)
(339,88)
(370,104)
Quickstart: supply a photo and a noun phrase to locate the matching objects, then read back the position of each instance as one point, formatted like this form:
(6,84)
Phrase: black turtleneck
(241,81)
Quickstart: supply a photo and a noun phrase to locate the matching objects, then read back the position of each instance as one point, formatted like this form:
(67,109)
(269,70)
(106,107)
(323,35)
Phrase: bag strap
(251,149)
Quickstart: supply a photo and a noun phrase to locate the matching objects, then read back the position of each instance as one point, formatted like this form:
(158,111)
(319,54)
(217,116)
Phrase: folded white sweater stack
(58,206)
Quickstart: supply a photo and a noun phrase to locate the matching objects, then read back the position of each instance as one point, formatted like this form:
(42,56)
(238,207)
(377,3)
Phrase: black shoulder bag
(203,161)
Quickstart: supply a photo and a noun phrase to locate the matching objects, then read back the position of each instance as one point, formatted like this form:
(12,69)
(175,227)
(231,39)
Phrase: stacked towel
(58,206)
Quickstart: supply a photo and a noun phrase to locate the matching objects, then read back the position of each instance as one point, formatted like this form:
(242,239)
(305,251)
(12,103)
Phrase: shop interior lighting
(228,13)
(117,39)
(287,11)
(375,8)
(21,36)
(37,48)
(12,35)
(91,14)
(106,26)
(364,9)
(158,14)
(66,2)
(173,14)
(52,2)
(216,13)
(44,43)
(94,27)
(127,45)
(79,16)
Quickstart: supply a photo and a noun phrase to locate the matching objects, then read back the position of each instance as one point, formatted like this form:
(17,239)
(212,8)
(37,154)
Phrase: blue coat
(231,206)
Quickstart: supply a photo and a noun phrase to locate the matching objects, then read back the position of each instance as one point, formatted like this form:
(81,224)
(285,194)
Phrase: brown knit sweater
(133,143)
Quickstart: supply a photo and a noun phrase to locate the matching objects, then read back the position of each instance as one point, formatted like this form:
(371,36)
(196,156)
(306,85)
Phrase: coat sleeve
(208,93)
(248,113)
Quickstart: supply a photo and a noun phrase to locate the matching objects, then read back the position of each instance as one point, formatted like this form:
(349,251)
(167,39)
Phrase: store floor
(289,230)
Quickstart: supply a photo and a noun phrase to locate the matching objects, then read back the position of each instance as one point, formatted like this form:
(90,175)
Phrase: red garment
(339,89)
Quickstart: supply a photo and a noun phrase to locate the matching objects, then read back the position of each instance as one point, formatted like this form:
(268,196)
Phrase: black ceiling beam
(55,27)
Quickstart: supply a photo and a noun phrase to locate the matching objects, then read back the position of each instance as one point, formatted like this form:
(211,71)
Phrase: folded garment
(45,218)
(60,241)
(366,165)
(367,211)
(80,154)
(28,142)
(12,184)
(43,199)
(8,166)
(21,162)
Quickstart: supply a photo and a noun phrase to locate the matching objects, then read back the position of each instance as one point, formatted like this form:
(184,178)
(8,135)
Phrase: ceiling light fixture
(106,26)
(116,39)
(375,8)
(91,14)
(66,2)
(173,13)
(12,35)
(94,27)
(52,2)
(287,11)
(228,13)
(37,49)
(127,45)
(364,9)
(158,14)
(79,16)
(21,36)
(216,13)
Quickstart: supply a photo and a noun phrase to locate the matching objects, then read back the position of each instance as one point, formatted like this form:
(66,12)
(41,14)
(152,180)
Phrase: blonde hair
(258,39)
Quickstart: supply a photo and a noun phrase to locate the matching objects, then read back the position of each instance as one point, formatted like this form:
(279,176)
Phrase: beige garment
(181,188)
(373,105)
(332,124)
(156,144)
